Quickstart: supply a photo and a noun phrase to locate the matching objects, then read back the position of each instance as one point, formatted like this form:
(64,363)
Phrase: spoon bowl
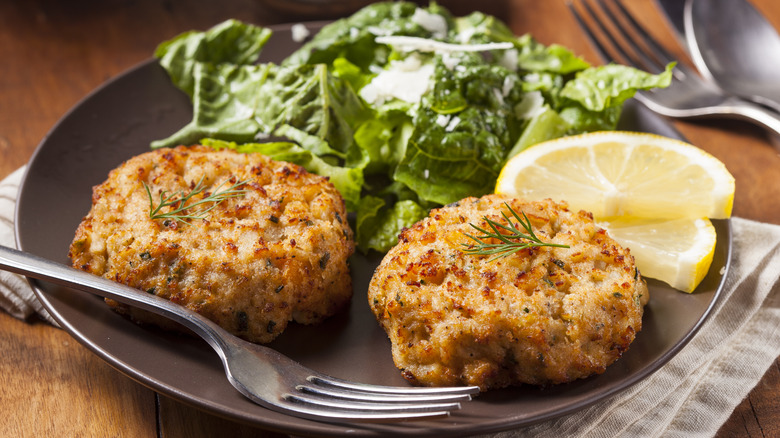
(732,43)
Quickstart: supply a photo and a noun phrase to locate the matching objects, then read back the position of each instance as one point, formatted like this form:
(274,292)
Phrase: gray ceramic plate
(119,120)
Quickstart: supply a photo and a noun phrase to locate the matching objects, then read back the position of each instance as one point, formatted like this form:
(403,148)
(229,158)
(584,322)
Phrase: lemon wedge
(619,173)
(653,194)
(677,251)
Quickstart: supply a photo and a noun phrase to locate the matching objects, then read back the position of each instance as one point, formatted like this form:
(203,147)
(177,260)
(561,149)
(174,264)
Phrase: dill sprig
(197,210)
(511,240)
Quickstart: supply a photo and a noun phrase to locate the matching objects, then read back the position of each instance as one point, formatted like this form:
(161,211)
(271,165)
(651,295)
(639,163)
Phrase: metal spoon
(734,45)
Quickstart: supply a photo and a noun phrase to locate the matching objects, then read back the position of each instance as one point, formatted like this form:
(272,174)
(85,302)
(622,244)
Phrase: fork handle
(33,266)
(753,112)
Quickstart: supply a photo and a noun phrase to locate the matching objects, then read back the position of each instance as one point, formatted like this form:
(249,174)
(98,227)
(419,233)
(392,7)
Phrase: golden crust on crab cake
(543,315)
(276,253)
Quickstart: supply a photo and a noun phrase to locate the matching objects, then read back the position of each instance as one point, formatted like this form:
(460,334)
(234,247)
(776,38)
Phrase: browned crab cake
(542,315)
(274,253)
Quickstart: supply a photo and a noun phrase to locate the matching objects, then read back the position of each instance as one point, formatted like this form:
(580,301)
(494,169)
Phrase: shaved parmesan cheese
(433,23)
(449,61)
(464,36)
(532,78)
(499,96)
(509,83)
(531,105)
(408,44)
(453,124)
(509,60)
(299,32)
(378,31)
(406,80)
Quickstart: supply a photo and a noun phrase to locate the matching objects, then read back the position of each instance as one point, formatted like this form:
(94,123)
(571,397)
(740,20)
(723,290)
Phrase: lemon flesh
(622,174)
(677,251)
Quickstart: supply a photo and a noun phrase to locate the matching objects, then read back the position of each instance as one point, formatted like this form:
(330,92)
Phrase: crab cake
(275,251)
(542,315)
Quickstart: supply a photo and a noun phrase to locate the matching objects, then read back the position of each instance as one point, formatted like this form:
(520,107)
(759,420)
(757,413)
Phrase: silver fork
(688,96)
(265,376)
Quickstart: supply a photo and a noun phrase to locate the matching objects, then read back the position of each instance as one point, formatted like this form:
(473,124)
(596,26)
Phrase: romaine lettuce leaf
(478,27)
(536,57)
(309,98)
(378,226)
(593,100)
(384,139)
(242,102)
(230,42)
(599,88)
(582,120)
(546,125)
(225,100)
(352,38)
(350,73)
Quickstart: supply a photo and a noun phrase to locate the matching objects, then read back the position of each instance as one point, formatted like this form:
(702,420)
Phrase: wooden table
(54,53)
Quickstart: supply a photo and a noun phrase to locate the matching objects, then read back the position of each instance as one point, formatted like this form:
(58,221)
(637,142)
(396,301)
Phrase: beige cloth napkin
(692,395)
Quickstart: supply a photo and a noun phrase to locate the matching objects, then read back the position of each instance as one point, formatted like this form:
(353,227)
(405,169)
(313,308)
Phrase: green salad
(404,108)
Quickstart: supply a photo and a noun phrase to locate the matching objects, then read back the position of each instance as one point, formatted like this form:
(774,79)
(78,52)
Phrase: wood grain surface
(54,53)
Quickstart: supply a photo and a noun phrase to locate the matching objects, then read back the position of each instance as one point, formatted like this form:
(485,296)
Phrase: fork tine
(647,55)
(637,52)
(661,55)
(603,52)
(349,414)
(277,382)
(657,51)
(324,407)
(337,412)
(382,397)
(357,406)
(336,399)
(464,392)
(635,57)
(654,50)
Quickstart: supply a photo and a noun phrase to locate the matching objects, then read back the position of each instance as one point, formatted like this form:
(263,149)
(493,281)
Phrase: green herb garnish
(510,243)
(198,210)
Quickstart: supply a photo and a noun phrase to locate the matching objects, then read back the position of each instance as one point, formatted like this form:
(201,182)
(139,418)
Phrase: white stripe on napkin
(16,295)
